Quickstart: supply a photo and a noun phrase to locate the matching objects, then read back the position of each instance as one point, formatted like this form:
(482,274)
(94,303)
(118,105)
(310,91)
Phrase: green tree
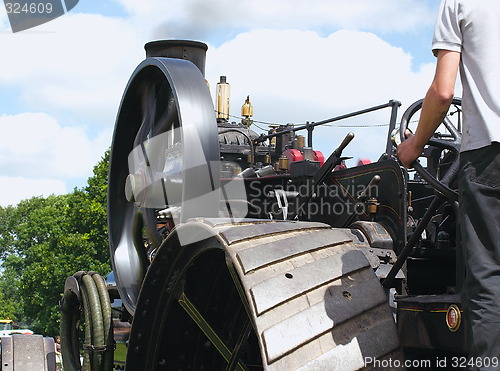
(6,231)
(88,209)
(45,240)
(59,251)
(11,306)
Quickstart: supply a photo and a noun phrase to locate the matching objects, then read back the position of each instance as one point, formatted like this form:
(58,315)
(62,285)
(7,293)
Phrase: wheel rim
(164,155)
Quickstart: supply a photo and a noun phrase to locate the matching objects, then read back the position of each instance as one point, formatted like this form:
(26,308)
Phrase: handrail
(394,104)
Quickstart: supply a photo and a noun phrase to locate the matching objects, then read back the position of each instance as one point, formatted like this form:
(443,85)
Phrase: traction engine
(233,250)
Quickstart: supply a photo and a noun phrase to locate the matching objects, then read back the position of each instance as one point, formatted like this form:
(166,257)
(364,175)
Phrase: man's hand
(409,151)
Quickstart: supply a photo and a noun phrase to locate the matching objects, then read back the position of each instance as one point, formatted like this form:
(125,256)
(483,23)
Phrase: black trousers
(479,198)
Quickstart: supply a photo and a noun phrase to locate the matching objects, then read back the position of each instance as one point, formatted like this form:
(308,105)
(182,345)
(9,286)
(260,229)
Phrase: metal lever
(375,180)
(282,202)
(327,168)
(345,143)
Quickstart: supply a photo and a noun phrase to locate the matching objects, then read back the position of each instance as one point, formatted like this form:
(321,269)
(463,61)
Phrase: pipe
(87,290)
(193,51)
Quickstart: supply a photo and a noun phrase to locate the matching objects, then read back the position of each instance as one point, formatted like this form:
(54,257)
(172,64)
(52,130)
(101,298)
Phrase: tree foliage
(45,240)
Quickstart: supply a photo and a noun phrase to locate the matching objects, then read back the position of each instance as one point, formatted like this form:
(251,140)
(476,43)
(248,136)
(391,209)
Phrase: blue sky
(61,82)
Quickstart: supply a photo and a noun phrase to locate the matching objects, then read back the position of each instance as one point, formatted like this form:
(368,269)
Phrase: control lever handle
(345,142)
(375,180)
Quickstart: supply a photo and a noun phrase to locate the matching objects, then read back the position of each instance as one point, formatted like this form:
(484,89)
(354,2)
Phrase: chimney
(193,51)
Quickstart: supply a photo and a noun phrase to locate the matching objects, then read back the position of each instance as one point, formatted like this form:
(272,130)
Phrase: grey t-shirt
(472,27)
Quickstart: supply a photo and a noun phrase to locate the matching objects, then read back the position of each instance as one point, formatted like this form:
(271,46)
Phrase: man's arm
(436,103)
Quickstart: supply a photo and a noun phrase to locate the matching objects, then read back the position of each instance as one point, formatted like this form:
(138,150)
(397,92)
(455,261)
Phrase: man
(467,37)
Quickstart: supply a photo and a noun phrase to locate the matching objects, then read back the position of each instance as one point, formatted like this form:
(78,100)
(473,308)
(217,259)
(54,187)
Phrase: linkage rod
(405,253)
(308,126)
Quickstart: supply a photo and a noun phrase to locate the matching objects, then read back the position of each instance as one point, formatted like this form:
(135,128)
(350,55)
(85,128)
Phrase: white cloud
(36,146)
(39,156)
(15,189)
(295,76)
(199,18)
(195,18)
(3,20)
(78,62)
(345,69)
(73,71)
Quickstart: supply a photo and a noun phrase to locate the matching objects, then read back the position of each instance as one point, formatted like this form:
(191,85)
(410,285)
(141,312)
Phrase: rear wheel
(260,296)
(200,319)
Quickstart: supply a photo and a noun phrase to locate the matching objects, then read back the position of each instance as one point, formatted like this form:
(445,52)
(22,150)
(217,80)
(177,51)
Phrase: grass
(120,354)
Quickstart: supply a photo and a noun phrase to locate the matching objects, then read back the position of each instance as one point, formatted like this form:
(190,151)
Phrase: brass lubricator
(372,205)
(283,163)
(300,142)
(371,202)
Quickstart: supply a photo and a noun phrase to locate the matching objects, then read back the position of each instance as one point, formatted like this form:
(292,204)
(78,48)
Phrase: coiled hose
(87,291)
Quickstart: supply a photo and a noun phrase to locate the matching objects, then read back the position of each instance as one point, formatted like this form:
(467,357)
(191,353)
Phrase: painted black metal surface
(164,98)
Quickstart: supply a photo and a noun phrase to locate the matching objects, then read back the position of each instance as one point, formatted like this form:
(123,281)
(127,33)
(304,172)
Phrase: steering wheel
(439,183)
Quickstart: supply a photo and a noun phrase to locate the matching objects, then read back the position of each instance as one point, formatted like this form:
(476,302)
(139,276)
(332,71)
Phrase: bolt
(347,295)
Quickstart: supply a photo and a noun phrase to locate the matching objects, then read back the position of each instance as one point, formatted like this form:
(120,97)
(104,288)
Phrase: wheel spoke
(245,333)
(210,333)
(455,133)
(239,288)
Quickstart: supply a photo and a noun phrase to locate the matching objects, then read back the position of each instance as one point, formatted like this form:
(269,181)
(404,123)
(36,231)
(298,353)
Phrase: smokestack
(193,51)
